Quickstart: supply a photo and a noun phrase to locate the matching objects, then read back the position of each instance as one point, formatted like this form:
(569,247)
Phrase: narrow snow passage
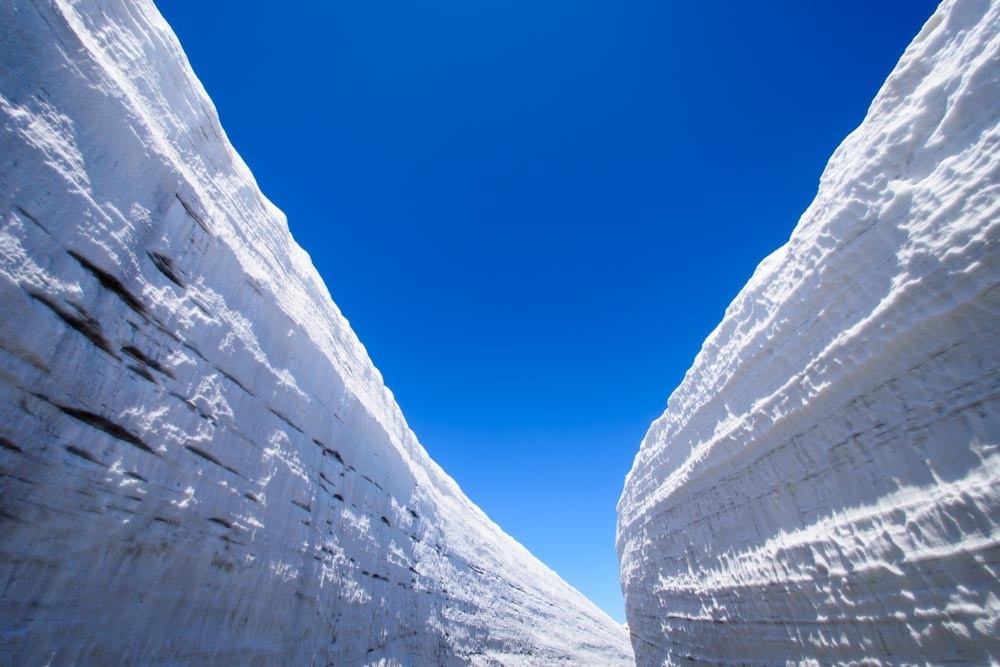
(200,464)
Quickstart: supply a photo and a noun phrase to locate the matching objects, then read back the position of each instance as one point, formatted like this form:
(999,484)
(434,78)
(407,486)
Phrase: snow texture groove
(824,487)
(199,464)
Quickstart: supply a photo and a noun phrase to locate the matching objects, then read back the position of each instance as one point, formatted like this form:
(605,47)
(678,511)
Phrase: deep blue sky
(533,212)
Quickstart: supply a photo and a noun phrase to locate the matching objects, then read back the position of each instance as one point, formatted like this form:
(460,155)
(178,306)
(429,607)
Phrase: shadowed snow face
(201,464)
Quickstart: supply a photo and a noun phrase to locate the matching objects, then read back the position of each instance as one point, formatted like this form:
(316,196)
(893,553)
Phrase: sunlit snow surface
(198,462)
(824,486)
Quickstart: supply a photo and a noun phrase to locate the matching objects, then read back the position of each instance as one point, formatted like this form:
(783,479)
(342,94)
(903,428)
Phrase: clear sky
(534,211)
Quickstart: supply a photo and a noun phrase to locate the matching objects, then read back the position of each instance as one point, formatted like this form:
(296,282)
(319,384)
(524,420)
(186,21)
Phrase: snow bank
(200,465)
(824,486)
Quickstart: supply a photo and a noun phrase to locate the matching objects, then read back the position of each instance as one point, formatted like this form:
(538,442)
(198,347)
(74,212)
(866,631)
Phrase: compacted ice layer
(198,461)
(824,486)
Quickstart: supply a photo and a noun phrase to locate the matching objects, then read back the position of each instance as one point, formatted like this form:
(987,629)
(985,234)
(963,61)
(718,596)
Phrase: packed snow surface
(198,462)
(824,486)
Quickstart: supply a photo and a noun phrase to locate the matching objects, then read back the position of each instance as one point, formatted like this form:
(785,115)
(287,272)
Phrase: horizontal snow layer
(198,462)
(824,486)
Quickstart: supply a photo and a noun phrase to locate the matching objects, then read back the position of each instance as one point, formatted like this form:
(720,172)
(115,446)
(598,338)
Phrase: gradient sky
(533,212)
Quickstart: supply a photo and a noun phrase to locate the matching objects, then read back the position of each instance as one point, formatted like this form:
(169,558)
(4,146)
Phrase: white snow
(200,464)
(824,487)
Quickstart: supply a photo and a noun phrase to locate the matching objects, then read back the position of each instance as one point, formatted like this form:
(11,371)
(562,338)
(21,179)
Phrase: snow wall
(198,462)
(824,486)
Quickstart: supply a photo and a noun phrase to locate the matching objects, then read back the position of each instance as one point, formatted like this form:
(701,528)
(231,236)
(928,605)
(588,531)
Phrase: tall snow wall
(198,462)
(824,486)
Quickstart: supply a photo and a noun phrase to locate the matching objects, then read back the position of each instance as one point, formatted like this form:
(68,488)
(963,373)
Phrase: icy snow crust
(824,486)
(200,465)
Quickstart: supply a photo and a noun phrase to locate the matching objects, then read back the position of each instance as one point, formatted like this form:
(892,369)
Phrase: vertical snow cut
(824,487)
(199,463)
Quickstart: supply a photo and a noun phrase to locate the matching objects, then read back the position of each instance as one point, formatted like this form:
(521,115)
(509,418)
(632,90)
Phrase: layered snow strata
(198,462)
(824,486)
